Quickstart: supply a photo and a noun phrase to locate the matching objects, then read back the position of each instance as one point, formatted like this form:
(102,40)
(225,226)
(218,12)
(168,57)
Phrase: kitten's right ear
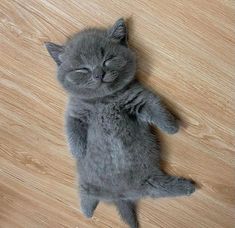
(55,51)
(118,32)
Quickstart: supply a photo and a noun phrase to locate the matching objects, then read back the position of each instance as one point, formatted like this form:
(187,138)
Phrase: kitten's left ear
(55,51)
(118,32)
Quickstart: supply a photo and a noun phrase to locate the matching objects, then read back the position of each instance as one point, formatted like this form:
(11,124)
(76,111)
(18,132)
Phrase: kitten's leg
(127,210)
(76,131)
(153,111)
(88,204)
(164,185)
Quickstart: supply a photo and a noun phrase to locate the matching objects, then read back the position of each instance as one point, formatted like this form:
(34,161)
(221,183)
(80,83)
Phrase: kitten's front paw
(186,186)
(172,127)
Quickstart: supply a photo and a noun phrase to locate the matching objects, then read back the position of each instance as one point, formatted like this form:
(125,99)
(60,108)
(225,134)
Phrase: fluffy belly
(118,149)
(111,147)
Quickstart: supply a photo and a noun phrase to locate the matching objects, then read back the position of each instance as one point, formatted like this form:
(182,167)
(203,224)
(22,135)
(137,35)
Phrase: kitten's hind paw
(164,186)
(88,205)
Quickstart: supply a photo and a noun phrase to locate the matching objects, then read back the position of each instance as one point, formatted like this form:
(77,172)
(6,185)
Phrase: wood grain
(186,52)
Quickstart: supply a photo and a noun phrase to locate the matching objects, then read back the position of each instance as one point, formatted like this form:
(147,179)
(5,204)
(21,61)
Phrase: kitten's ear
(118,32)
(55,51)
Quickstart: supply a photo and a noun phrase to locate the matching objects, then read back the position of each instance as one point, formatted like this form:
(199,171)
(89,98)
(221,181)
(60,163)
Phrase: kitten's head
(95,62)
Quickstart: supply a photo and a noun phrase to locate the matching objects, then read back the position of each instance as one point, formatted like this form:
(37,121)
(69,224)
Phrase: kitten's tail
(127,210)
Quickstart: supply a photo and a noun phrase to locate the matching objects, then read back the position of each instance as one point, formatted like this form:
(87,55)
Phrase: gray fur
(107,123)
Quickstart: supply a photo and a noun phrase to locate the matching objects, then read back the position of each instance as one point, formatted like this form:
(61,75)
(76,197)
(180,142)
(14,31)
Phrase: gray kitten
(107,123)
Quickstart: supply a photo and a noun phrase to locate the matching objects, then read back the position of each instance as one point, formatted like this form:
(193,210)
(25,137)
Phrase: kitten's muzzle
(98,74)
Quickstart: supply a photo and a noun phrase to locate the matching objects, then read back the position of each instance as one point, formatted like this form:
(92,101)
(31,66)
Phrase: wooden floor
(186,52)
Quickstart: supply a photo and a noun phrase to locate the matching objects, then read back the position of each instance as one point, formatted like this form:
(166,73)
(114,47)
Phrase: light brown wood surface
(185,52)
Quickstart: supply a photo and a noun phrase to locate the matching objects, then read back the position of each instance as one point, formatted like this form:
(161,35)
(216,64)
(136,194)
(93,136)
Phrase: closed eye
(82,70)
(105,63)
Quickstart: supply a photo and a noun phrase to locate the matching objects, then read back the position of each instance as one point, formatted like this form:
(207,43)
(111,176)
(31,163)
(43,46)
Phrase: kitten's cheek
(110,77)
(73,78)
(117,63)
(122,64)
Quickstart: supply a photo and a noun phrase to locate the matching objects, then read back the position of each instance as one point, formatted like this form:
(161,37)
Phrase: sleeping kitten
(107,122)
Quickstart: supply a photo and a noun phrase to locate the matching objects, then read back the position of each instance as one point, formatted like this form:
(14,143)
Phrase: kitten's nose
(98,74)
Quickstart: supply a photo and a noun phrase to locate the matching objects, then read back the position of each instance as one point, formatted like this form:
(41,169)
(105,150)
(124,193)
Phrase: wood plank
(186,53)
